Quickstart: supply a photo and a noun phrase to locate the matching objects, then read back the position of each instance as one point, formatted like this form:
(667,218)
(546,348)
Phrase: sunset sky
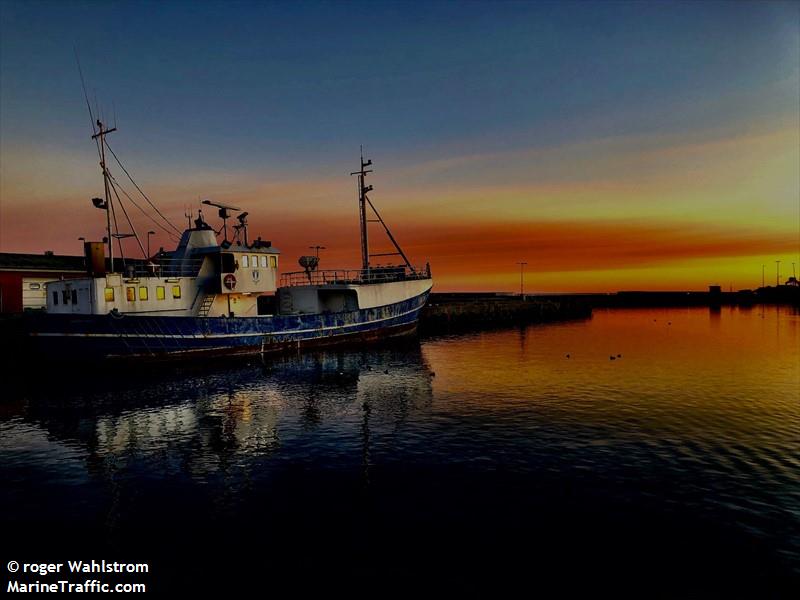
(612,146)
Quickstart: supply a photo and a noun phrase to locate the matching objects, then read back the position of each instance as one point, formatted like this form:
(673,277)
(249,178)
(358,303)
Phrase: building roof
(12,261)
(59,263)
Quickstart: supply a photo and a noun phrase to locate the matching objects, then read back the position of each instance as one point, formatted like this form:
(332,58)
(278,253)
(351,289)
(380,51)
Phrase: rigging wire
(143,211)
(125,212)
(389,233)
(141,192)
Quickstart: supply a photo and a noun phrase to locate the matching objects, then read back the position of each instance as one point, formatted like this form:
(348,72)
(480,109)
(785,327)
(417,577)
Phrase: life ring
(230,281)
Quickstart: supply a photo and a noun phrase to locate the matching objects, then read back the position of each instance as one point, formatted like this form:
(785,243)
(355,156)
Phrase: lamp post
(521,280)
(777,272)
(149,233)
(763,268)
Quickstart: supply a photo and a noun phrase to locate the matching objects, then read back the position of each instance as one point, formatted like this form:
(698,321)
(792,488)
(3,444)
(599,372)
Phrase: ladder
(205,306)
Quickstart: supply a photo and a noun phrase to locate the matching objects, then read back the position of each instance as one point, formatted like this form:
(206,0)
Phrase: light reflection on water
(697,416)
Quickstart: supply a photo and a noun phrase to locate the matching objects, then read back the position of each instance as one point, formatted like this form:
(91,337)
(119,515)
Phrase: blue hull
(81,337)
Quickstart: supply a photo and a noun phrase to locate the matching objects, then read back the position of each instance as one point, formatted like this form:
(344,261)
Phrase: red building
(23,278)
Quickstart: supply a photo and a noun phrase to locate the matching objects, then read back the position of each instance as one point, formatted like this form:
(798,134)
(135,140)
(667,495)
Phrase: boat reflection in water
(223,419)
(175,453)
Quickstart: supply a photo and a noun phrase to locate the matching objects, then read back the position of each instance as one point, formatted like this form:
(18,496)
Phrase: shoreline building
(23,278)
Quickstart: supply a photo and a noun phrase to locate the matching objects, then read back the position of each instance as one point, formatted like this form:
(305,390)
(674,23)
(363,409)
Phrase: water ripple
(699,423)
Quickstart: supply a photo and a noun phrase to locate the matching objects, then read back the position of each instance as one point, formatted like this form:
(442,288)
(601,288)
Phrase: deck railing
(164,267)
(351,276)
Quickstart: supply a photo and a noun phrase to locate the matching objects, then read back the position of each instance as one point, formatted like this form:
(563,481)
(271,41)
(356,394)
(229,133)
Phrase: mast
(363,201)
(362,208)
(100,135)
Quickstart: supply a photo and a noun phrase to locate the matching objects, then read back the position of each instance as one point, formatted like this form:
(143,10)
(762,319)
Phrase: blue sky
(267,82)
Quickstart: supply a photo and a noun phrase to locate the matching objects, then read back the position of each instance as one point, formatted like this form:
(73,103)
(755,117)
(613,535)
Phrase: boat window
(65,296)
(35,286)
(74,296)
(160,292)
(273,262)
(142,293)
(228,263)
(109,294)
(131,291)
(244,261)
(55,298)
(263,261)
(176,291)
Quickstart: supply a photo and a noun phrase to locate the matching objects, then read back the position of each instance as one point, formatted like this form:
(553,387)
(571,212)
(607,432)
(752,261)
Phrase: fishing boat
(212,296)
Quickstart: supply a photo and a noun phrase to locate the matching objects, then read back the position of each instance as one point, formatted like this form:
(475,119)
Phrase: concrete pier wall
(444,314)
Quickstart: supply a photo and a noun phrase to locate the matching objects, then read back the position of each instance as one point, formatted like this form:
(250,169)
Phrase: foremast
(100,138)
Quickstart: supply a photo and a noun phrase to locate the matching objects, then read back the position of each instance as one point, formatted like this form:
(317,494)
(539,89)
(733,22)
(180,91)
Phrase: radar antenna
(223,214)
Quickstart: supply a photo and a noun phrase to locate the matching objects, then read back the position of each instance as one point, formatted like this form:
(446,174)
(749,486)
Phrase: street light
(777,272)
(521,284)
(149,233)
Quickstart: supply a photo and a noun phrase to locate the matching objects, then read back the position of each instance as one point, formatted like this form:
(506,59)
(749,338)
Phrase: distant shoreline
(631,299)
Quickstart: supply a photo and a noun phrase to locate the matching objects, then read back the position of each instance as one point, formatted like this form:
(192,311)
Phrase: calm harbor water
(474,462)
